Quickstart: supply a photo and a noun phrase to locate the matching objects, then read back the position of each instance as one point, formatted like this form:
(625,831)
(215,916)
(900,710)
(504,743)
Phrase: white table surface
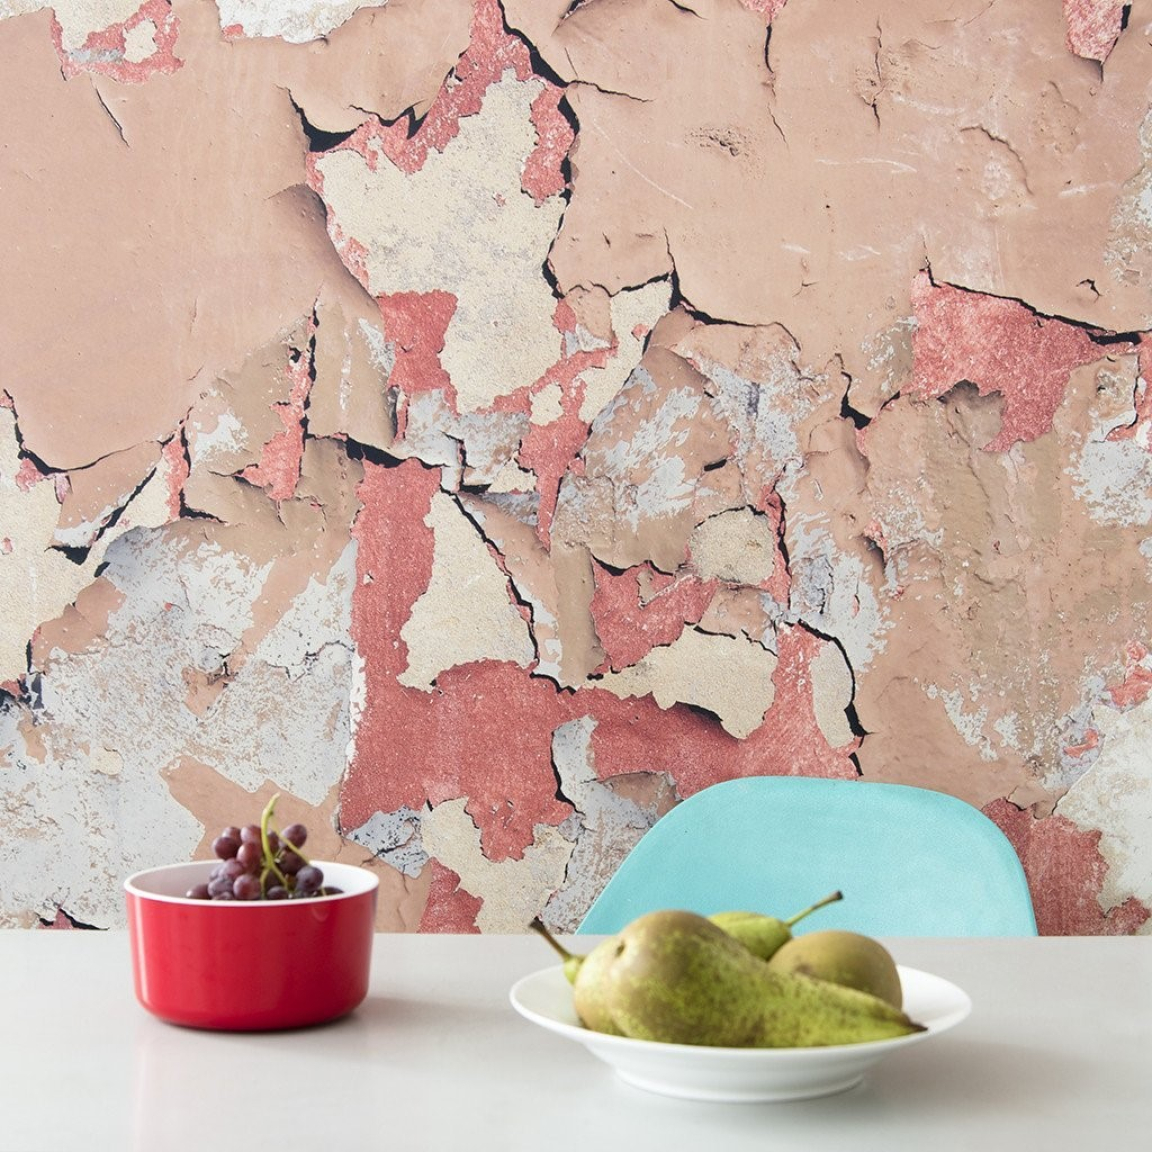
(1056,1054)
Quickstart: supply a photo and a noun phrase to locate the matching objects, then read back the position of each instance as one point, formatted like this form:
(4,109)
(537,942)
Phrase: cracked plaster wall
(452,416)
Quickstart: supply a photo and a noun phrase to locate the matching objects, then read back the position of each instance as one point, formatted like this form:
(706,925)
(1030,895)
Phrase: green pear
(845,958)
(763,935)
(586,975)
(676,977)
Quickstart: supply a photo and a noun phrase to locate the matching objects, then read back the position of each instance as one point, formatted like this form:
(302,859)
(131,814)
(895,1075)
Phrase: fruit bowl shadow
(256,965)
(700,1072)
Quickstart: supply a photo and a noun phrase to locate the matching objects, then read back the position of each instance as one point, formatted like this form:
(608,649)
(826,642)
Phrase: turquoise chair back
(910,862)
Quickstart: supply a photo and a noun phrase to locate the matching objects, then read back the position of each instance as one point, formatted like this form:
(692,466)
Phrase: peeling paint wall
(488,422)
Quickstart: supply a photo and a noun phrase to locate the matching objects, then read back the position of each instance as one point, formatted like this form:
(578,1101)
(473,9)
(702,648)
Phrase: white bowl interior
(170,883)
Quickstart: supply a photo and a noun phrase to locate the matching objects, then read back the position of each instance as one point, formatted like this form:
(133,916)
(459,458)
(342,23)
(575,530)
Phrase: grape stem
(269,857)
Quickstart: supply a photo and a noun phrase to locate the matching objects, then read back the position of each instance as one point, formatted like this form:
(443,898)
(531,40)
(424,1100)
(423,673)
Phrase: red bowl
(250,965)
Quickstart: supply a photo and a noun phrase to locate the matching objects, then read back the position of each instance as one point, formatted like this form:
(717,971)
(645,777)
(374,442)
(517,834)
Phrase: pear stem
(831,898)
(537,925)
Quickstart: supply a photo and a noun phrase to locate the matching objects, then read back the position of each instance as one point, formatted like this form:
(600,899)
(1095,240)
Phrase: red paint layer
(176,457)
(629,629)
(543,174)
(103,51)
(416,324)
(1065,873)
(1093,27)
(279,467)
(29,474)
(1000,346)
(1137,683)
(449,907)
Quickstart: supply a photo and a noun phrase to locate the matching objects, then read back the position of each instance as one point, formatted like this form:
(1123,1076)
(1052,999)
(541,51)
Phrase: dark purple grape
(295,834)
(199,892)
(290,862)
(247,887)
(277,892)
(309,880)
(225,895)
(250,834)
(273,842)
(251,856)
(232,869)
(226,846)
(219,886)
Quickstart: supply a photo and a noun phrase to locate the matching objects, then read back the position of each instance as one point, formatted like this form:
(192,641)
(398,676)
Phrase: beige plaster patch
(462,224)
(556,584)
(139,42)
(78,18)
(738,547)
(832,694)
(293,20)
(513,891)
(466,614)
(732,678)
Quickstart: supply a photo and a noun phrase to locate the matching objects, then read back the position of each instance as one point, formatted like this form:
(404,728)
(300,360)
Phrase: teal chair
(910,862)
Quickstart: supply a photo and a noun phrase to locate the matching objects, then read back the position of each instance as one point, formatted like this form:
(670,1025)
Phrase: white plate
(698,1072)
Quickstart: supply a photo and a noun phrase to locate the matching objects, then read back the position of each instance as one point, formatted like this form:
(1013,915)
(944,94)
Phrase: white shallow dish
(699,1072)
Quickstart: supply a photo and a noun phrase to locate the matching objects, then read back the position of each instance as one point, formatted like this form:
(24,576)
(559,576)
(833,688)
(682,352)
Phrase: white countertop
(1056,1054)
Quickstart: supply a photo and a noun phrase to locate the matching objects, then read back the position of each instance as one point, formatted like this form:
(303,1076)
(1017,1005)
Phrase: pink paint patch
(1065,873)
(104,52)
(1000,346)
(1093,27)
(629,629)
(449,907)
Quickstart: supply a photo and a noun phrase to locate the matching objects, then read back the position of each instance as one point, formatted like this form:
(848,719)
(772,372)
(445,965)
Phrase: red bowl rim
(352,878)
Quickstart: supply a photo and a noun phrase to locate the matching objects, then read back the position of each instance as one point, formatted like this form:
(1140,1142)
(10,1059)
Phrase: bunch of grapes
(259,863)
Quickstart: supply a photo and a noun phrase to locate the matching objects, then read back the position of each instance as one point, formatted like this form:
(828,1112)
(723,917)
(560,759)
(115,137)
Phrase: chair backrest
(910,862)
